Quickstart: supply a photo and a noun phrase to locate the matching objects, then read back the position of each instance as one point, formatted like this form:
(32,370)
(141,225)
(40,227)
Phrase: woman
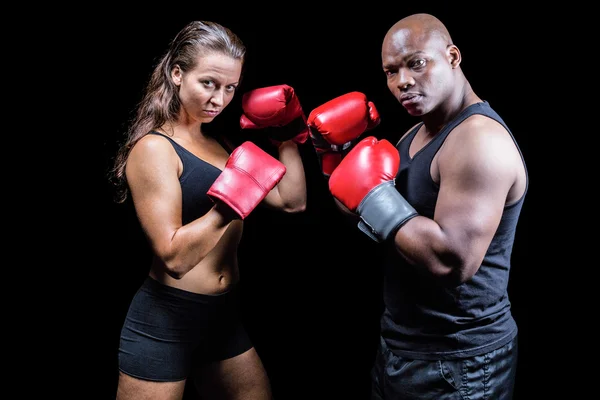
(183,323)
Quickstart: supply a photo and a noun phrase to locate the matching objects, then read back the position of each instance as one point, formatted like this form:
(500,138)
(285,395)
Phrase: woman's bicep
(153,180)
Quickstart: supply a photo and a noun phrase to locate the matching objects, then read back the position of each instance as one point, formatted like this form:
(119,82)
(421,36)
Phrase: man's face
(418,69)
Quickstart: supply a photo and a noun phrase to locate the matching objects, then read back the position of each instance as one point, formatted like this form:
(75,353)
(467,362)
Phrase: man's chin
(413,111)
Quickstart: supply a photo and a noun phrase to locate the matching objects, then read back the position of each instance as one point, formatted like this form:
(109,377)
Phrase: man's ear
(454,55)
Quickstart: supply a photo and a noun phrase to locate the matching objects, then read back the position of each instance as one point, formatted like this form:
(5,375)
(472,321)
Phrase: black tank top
(424,320)
(196,179)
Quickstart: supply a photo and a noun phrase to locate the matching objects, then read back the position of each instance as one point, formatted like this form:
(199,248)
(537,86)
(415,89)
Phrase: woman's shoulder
(152,146)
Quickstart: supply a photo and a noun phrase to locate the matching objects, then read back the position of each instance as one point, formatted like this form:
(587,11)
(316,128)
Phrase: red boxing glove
(249,175)
(277,110)
(364,182)
(335,125)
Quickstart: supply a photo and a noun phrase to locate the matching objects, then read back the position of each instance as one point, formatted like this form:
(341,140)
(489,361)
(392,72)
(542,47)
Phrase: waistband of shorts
(155,287)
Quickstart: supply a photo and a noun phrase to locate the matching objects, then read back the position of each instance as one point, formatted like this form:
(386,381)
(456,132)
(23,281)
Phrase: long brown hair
(161,103)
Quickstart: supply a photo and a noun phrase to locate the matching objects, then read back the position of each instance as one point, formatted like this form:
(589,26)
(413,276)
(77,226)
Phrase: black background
(311,282)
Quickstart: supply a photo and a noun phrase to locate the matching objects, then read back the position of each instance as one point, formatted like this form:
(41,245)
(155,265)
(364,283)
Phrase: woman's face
(208,88)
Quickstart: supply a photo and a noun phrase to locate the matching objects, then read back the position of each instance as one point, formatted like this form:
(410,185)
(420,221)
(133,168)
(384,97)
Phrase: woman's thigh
(131,388)
(239,377)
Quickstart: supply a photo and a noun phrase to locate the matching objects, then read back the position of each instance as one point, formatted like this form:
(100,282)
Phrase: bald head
(417,34)
(420,29)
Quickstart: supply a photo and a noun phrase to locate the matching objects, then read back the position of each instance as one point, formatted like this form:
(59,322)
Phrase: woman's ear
(176,75)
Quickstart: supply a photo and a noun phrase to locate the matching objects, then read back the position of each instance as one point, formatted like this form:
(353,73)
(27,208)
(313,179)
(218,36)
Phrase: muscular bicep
(152,175)
(476,173)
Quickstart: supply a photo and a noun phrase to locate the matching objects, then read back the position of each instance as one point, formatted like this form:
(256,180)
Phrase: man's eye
(420,63)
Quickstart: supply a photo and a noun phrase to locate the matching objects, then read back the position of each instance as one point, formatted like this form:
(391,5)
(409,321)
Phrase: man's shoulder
(407,132)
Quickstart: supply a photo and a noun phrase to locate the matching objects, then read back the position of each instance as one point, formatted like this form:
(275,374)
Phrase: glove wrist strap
(383,211)
(289,131)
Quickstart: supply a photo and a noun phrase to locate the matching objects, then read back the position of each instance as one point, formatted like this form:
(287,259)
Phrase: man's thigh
(487,376)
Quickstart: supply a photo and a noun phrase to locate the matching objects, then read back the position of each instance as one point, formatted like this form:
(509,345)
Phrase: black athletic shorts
(169,330)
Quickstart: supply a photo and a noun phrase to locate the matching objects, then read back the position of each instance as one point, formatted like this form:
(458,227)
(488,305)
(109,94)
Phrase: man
(444,203)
